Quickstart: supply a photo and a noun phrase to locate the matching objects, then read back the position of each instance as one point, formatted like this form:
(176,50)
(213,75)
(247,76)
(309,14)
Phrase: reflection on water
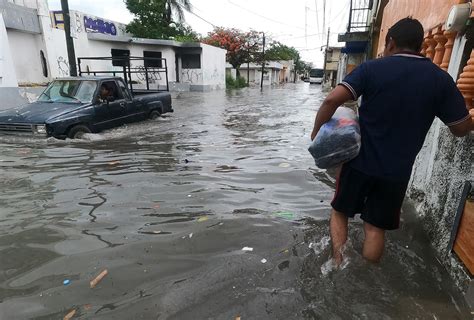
(166,206)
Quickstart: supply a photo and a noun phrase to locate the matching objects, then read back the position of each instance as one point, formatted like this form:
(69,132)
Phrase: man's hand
(335,99)
(462,129)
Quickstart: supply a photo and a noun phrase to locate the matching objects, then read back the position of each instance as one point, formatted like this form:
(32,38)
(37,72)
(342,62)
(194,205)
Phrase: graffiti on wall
(192,76)
(97,25)
(78,20)
(153,76)
(63,66)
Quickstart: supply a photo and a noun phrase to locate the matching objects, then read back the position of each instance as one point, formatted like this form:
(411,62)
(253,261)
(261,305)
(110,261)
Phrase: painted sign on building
(87,23)
(97,25)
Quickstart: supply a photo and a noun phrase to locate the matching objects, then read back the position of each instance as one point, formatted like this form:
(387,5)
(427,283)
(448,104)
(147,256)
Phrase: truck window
(111,91)
(124,90)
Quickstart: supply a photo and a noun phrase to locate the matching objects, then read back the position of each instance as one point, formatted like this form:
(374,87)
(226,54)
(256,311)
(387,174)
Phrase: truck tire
(78,131)
(155,114)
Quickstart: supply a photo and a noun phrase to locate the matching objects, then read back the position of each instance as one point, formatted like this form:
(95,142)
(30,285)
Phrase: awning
(355,47)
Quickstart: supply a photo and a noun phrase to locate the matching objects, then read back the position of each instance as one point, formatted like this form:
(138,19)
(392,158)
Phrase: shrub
(238,83)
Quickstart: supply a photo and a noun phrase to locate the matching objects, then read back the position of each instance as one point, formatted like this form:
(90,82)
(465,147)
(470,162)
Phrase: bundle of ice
(338,140)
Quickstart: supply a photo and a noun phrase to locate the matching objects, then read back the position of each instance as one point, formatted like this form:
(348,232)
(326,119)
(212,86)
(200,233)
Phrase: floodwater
(167,207)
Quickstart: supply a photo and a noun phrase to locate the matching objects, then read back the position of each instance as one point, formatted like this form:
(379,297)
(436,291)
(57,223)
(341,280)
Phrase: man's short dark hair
(407,34)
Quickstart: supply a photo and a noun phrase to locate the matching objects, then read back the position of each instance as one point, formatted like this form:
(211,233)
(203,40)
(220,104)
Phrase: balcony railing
(359,15)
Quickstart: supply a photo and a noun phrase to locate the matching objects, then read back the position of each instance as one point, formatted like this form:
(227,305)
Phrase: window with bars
(359,15)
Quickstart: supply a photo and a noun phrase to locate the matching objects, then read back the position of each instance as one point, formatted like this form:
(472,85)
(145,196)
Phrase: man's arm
(463,128)
(336,98)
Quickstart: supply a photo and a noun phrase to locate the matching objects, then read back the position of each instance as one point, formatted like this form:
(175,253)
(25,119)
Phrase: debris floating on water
(66,282)
(247,249)
(87,307)
(237,318)
(113,163)
(285,214)
(202,219)
(284,165)
(190,235)
(70,314)
(97,279)
(263,261)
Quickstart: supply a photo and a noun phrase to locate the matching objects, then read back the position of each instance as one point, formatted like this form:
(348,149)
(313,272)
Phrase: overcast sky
(282,20)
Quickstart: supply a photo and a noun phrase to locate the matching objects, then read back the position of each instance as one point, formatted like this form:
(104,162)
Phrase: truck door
(133,109)
(111,110)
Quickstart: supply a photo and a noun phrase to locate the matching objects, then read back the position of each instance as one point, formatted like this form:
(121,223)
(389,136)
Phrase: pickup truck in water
(72,107)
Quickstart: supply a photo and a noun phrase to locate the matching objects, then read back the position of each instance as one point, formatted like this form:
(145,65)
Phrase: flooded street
(167,206)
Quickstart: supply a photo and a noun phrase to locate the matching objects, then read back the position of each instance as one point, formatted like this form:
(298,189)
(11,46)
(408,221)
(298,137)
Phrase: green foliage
(175,7)
(153,20)
(279,51)
(232,83)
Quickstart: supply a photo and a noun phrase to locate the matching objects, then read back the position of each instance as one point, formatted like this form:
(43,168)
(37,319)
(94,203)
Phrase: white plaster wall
(25,49)
(93,48)
(213,66)
(7,70)
(192,76)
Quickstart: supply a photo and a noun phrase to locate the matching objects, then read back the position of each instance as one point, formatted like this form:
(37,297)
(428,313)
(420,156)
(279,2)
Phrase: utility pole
(69,41)
(248,64)
(326,55)
(263,61)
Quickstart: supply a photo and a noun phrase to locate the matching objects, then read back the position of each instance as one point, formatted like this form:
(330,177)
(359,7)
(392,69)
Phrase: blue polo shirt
(401,96)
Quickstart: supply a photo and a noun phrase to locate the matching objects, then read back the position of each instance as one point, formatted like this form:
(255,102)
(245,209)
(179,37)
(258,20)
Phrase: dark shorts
(378,200)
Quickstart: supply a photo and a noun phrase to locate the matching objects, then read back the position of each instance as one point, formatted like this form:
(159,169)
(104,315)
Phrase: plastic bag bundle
(338,140)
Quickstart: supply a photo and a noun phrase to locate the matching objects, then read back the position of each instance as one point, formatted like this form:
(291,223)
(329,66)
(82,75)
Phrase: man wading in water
(401,93)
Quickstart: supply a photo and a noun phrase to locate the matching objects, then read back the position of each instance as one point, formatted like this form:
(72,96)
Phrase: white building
(275,72)
(33,50)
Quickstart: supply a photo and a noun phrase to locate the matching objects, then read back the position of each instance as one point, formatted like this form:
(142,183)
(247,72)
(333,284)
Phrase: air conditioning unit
(458,17)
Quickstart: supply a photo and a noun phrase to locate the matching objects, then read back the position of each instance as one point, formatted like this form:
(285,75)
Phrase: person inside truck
(105,93)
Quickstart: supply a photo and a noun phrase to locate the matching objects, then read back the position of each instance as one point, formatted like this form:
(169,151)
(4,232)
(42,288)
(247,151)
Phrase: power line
(196,15)
(263,17)
(309,35)
(317,15)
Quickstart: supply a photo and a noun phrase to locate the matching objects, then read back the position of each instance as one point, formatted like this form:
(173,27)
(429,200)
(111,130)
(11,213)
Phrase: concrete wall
(213,67)
(25,48)
(440,170)
(7,70)
(9,94)
(431,13)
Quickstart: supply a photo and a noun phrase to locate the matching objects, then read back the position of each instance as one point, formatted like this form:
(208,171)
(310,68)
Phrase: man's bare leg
(338,228)
(373,243)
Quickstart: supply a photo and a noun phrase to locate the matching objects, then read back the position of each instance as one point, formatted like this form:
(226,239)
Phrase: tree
(176,7)
(242,47)
(153,20)
(279,51)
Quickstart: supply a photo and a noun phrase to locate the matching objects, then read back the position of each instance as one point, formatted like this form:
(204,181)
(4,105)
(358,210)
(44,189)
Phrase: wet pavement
(167,207)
